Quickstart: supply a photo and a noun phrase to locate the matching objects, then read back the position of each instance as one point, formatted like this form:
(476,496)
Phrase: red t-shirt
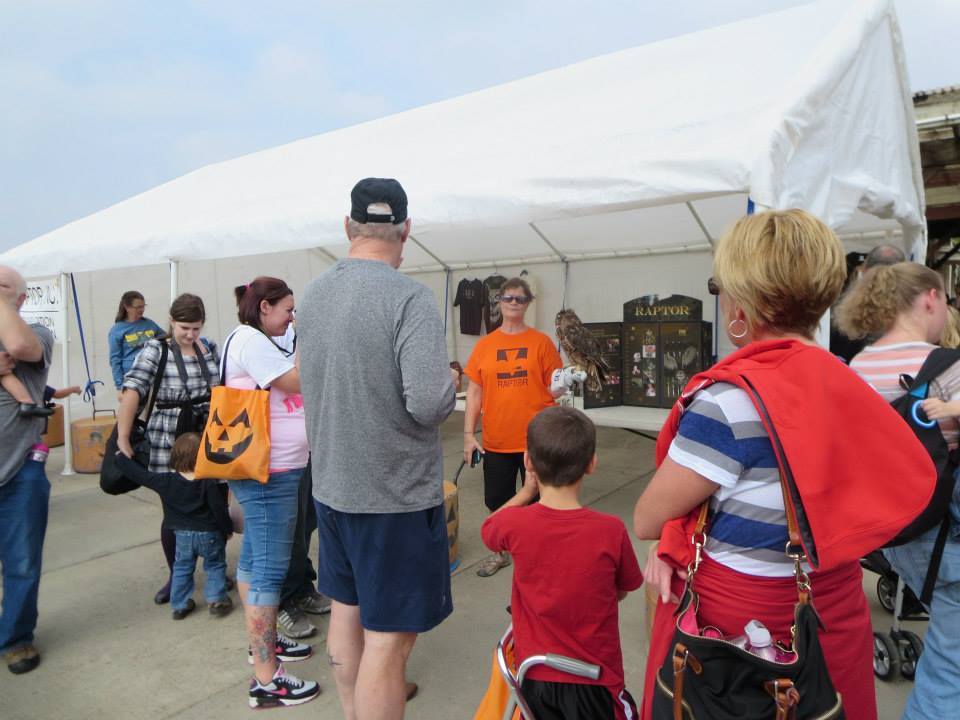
(569,567)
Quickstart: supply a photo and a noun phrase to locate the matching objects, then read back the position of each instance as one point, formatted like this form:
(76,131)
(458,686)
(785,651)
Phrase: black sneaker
(181,614)
(283,690)
(287,650)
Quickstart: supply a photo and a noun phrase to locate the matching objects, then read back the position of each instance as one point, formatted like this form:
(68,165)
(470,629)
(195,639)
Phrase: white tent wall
(596,289)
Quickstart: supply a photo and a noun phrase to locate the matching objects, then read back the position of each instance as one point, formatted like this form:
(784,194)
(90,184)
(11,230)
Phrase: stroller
(898,649)
(513,677)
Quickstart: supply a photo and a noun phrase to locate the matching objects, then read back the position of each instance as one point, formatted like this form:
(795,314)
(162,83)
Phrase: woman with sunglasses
(510,374)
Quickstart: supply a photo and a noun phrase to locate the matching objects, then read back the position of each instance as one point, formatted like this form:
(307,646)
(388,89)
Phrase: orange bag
(495,700)
(236,440)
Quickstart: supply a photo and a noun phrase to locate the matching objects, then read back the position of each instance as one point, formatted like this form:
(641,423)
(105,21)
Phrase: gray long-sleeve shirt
(376,387)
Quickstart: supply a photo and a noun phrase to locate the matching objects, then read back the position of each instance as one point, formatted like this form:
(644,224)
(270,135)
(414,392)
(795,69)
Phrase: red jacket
(857,472)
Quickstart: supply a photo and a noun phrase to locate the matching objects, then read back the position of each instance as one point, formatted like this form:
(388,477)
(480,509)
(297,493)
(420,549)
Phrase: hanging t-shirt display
(492,319)
(470,300)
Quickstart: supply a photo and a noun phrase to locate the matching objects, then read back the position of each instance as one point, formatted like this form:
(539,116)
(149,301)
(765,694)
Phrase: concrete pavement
(109,652)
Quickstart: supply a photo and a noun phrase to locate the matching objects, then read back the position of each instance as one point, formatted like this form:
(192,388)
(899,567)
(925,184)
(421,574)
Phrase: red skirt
(730,599)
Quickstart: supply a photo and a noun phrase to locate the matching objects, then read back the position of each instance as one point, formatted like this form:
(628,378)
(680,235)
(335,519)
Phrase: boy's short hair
(561,442)
(183,454)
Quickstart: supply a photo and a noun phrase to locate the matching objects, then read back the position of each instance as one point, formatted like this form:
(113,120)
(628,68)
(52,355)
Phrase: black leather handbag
(112,481)
(705,678)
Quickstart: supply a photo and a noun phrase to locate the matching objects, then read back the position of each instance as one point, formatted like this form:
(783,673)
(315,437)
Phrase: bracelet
(472,432)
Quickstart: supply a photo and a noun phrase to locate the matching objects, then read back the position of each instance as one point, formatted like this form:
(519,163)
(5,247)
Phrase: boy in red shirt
(572,566)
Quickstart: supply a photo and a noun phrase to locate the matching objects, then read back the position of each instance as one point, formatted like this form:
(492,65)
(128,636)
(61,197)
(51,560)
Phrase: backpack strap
(937,362)
(204,370)
(184,378)
(933,570)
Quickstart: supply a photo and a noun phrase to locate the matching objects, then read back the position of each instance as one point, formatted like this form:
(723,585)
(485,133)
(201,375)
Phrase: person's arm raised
(15,335)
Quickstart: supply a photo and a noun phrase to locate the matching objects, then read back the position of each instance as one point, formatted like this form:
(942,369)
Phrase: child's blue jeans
(191,544)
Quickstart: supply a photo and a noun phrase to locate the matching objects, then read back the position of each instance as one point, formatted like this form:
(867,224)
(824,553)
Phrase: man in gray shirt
(25,350)
(376,386)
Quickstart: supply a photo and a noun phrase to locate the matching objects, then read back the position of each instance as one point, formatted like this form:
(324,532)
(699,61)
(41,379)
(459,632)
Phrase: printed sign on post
(45,306)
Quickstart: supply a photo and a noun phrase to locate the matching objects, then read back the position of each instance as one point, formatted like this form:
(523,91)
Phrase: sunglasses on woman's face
(518,299)
(712,287)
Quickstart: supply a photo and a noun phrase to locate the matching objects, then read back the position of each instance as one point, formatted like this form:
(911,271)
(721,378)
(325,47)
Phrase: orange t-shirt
(514,372)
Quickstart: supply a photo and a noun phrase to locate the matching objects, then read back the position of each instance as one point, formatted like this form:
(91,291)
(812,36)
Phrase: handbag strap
(157,381)
(793,550)
(223,361)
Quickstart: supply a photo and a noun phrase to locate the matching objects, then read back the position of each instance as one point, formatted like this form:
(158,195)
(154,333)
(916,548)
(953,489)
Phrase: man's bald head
(883,255)
(12,285)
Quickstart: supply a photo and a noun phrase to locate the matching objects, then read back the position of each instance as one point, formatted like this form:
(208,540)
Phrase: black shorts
(577,701)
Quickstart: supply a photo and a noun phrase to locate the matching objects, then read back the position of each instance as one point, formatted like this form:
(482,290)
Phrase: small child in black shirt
(196,511)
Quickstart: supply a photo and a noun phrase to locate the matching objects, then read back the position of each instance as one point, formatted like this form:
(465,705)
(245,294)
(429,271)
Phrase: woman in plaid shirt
(187,316)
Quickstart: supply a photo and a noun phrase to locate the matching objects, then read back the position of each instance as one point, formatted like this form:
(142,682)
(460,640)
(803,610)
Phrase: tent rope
(89,390)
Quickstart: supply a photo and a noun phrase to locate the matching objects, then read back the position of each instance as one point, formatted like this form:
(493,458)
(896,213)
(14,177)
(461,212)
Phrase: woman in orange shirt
(510,372)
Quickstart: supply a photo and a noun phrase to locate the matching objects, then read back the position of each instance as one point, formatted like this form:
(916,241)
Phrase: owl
(582,348)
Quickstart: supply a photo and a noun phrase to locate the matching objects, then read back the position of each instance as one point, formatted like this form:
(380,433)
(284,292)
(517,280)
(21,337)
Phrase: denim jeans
(936,689)
(269,519)
(191,544)
(301,575)
(24,502)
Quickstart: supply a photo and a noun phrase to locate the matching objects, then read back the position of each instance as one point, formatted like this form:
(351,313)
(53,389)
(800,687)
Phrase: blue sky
(107,98)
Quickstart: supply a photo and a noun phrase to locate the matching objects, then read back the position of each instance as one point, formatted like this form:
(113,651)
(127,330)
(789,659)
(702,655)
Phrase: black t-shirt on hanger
(492,317)
(470,300)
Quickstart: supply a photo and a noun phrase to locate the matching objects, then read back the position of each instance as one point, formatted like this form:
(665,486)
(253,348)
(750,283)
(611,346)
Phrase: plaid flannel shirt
(163,422)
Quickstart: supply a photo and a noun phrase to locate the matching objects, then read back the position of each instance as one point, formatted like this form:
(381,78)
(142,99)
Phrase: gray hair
(883,255)
(385,232)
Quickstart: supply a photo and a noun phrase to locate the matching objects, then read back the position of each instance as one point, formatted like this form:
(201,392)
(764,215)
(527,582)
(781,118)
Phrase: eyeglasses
(519,299)
(712,287)
(138,307)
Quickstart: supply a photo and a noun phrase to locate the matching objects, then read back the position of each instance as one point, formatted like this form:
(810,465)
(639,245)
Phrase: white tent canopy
(650,149)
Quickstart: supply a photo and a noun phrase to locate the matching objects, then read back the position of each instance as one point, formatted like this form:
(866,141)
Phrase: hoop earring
(741,335)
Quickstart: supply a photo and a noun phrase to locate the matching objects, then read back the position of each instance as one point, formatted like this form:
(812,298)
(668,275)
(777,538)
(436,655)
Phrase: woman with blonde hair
(906,306)
(776,273)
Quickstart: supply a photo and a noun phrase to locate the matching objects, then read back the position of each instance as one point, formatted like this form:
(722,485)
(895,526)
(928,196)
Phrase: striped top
(722,438)
(882,365)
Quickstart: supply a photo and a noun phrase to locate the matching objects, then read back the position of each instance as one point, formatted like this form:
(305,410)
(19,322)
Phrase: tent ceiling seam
(533,226)
(696,216)
(327,254)
(428,252)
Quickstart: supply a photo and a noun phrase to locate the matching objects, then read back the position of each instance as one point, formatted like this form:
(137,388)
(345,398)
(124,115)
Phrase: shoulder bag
(112,481)
(236,439)
(709,677)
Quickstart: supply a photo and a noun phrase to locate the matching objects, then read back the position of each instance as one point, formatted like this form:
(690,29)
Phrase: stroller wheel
(887,593)
(886,658)
(911,652)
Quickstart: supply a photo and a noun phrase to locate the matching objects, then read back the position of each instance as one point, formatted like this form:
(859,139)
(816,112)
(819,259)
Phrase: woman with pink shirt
(906,306)
(251,359)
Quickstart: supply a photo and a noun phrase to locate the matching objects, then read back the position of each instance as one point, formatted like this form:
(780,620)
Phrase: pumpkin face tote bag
(236,439)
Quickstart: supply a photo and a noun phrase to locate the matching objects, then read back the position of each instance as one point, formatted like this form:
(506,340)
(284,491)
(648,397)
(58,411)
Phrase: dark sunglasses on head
(712,287)
(519,299)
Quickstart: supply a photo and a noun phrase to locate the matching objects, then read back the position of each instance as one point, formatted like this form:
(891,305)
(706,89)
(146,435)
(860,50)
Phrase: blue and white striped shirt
(721,438)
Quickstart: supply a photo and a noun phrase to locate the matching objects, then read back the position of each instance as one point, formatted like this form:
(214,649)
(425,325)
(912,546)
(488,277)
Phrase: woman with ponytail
(905,305)
(252,358)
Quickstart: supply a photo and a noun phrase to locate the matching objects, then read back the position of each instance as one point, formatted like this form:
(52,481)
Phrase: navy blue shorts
(395,566)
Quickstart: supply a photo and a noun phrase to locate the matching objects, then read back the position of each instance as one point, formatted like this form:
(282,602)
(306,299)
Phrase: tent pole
(65,370)
(174,280)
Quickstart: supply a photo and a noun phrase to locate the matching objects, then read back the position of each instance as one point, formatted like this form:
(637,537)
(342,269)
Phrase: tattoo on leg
(333,663)
(263,638)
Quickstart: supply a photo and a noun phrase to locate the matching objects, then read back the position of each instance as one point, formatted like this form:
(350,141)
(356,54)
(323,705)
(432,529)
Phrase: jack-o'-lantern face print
(224,443)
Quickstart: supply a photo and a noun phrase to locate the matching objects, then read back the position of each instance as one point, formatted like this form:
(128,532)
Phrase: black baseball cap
(370,191)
